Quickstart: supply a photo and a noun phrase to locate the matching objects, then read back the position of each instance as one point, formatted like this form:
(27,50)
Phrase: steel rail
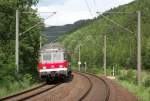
(89,89)
(28,91)
(107,86)
(22,92)
(32,95)
(25,97)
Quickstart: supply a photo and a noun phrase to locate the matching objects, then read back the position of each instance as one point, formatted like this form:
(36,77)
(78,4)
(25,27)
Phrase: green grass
(11,85)
(143,93)
(90,70)
(127,78)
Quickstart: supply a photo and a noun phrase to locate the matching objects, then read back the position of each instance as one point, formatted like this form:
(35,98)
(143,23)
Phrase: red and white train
(54,62)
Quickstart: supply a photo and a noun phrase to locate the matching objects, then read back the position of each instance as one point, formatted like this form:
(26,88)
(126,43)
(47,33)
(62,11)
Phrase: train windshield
(53,57)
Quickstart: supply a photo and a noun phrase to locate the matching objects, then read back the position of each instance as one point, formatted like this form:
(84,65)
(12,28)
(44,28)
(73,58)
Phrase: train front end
(53,64)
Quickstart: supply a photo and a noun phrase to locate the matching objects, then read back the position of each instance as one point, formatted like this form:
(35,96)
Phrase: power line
(116,12)
(53,13)
(117,24)
(95,5)
(86,2)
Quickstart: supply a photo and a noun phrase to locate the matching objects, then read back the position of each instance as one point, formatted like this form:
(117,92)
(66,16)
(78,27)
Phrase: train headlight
(60,66)
(44,67)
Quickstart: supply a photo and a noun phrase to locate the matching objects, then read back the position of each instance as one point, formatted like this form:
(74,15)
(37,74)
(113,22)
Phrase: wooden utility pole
(104,58)
(139,49)
(17,42)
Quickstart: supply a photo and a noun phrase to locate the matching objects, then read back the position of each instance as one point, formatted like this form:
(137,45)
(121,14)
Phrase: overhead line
(95,5)
(117,24)
(86,2)
(116,12)
(37,24)
(37,12)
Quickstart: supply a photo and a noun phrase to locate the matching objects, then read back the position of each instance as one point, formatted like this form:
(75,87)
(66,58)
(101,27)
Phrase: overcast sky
(69,11)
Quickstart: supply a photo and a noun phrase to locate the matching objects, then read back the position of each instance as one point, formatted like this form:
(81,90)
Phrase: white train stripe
(54,69)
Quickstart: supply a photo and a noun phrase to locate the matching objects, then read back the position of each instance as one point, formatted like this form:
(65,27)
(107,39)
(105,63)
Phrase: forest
(28,42)
(121,37)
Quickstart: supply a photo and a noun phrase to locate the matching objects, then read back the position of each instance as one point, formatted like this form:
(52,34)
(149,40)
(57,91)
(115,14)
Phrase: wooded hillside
(121,44)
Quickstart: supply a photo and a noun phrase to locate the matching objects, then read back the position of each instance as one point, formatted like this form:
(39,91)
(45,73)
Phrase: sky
(70,11)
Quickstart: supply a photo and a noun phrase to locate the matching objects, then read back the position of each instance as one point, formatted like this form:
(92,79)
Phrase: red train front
(54,63)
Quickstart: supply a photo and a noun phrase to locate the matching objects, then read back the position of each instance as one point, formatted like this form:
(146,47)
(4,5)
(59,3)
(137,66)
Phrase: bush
(128,75)
(131,76)
(27,80)
(147,81)
(141,92)
(12,84)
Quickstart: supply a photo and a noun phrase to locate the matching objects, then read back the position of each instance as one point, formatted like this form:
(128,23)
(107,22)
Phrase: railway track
(85,96)
(84,87)
(89,89)
(24,95)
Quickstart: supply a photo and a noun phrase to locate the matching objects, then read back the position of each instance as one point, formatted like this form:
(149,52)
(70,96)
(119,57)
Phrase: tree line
(28,42)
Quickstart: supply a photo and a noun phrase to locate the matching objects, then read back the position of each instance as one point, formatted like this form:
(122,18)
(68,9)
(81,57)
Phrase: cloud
(67,18)
(69,11)
(50,2)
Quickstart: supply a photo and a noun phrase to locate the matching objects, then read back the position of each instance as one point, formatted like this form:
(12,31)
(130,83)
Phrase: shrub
(147,82)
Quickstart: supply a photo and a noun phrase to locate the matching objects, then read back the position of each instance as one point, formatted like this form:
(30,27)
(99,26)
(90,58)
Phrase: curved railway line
(85,96)
(107,87)
(83,87)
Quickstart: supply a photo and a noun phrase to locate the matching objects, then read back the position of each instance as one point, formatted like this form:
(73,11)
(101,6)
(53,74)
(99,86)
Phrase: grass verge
(11,85)
(143,93)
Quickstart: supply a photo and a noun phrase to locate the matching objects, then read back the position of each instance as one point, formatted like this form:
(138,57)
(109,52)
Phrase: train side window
(67,57)
(40,58)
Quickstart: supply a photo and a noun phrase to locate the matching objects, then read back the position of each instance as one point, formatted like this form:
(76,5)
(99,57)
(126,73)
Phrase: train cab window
(57,56)
(53,57)
(47,57)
